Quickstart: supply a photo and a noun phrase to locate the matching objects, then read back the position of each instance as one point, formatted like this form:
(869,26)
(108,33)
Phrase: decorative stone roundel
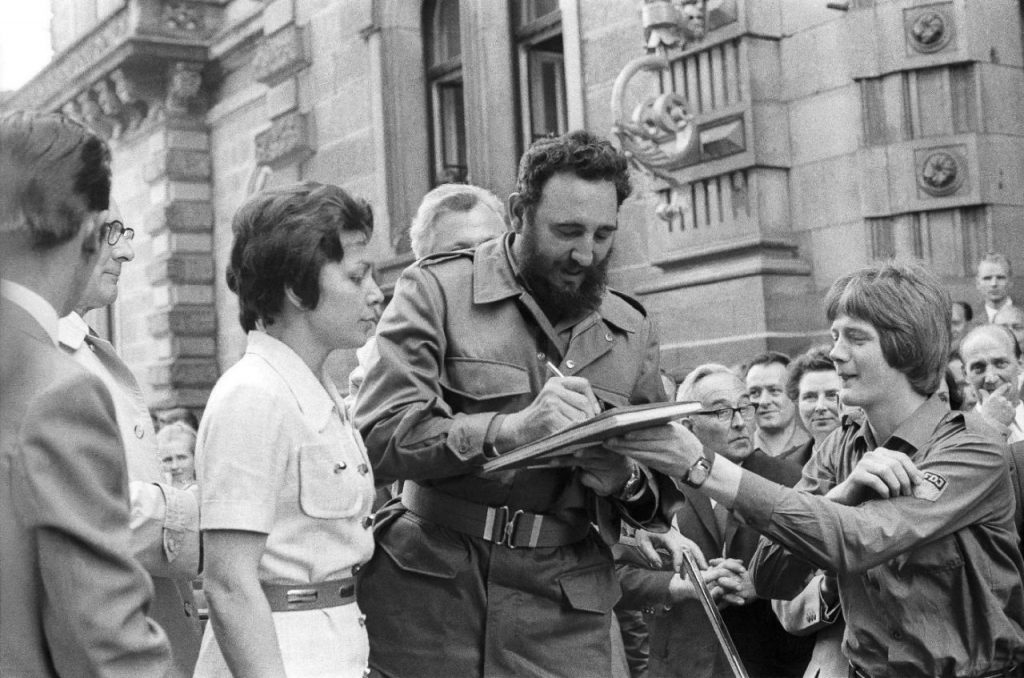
(929,31)
(940,173)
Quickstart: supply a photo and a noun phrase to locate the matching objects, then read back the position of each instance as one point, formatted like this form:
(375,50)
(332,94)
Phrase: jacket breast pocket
(478,379)
(330,486)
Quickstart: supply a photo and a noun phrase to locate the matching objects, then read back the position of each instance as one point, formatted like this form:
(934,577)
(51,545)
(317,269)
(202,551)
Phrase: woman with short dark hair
(286,485)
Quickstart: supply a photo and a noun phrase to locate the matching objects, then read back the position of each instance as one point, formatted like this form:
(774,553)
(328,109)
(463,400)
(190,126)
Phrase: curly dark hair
(282,238)
(815,359)
(586,155)
(53,171)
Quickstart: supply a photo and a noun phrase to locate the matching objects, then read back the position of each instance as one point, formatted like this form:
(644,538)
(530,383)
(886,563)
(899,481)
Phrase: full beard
(557,301)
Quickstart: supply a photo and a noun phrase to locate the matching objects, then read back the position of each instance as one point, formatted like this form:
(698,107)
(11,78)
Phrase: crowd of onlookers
(839,488)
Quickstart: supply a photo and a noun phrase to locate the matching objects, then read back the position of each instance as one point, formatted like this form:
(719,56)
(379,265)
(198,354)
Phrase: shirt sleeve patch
(931,486)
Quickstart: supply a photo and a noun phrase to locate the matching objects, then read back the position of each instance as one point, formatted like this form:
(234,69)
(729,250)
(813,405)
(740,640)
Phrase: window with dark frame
(541,64)
(442,43)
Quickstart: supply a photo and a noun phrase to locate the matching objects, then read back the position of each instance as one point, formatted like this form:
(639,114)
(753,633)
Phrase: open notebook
(591,432)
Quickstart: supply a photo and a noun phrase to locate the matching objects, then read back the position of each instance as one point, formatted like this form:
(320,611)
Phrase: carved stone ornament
(929,29)
(673,23)
(286,142)
(186,17)
(184,81)
(659,136)
(941,172)
(280,55)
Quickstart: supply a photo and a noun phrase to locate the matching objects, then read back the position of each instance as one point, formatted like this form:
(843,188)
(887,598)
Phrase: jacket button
(356,568)
(897,634)
(139,431)
(571,364)
(607,336)
(190,609)
(362,620)
(541,356)
(363,469)
(340,466)
(367,524)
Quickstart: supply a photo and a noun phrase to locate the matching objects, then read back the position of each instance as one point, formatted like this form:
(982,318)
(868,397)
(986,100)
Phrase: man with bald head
(991,358)
(1012,318)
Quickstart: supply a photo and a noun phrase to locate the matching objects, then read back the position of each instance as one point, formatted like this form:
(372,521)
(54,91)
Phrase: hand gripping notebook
(591,432)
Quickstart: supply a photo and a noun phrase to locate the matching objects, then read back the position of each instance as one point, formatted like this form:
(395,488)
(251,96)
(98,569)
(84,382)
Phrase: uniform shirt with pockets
(930,584)
(277,454)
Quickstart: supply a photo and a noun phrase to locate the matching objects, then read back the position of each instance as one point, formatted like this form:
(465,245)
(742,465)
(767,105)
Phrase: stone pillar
(180,224)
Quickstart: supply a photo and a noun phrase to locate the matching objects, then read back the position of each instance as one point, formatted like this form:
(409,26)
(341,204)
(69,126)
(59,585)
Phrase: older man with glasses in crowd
(164,519)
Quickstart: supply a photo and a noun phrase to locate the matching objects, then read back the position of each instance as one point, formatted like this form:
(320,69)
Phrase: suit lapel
(705,517)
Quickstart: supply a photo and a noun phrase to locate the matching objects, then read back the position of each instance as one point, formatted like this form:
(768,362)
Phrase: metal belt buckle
(301,596)
(507,539)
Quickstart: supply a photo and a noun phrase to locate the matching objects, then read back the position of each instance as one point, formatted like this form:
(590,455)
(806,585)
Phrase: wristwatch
(698,473)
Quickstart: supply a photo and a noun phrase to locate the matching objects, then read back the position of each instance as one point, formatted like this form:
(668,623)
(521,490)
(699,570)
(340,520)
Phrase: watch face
(698,473)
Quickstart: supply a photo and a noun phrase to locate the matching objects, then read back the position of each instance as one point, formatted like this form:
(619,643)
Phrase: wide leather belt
(291,597)
(1005,672)
(504,525)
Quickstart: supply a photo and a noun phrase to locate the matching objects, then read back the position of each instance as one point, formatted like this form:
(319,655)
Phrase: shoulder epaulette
(441,257)
(635,303)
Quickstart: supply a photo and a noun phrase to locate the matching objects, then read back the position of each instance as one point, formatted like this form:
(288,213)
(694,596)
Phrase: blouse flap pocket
(329,485)
(482,379)
(593,589)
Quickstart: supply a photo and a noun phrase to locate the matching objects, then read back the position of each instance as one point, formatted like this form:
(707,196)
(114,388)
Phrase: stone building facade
(791,140)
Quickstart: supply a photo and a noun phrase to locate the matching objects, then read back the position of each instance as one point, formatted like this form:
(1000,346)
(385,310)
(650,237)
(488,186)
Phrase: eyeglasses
(113,231)
(725,414)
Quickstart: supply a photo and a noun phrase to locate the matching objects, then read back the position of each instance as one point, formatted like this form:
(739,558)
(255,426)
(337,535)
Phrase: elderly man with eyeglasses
(682,642)
(164,519)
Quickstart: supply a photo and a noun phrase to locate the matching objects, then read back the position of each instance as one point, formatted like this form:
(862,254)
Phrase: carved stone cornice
(143,62)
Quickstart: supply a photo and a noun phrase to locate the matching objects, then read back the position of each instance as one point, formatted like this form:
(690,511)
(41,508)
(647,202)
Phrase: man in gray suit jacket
(165,519)
(74,600)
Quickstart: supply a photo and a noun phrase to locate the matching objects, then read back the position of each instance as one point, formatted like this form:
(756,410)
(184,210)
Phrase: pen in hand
(602,405)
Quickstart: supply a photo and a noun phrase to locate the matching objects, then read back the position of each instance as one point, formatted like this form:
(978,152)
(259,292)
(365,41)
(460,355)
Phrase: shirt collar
(496,277)
(916,431)
(72,330)
(314,402)
(33,304)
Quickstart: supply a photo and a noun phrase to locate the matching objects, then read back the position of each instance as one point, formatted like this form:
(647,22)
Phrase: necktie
(721,519)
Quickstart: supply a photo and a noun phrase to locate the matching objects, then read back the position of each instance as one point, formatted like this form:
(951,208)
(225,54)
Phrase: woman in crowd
(286,485)
(176,445)
(814,385)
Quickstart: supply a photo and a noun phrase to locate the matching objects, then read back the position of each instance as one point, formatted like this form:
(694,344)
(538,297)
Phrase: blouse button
(340,466)
(367,522)
(607,336)
(363,469)
(139,431)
